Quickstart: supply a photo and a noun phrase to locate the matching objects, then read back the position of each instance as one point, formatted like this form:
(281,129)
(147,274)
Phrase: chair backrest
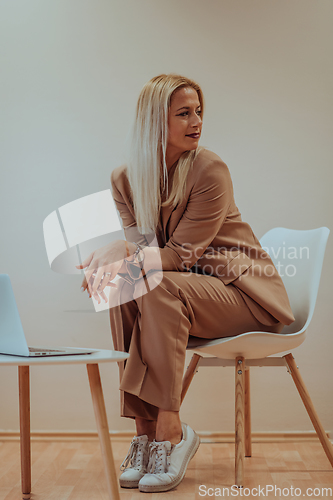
(298,256)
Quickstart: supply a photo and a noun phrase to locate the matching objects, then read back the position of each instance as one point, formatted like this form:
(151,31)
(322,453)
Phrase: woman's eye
(185,113)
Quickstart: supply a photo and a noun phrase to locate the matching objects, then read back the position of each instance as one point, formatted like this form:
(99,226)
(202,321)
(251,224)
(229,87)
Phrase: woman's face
(184,122)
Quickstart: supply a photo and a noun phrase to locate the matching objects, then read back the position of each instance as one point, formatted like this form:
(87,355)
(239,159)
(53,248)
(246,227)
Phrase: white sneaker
(134,466)
(167,463)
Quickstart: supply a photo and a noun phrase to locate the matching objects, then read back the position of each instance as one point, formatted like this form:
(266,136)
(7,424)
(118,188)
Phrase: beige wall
(71,71)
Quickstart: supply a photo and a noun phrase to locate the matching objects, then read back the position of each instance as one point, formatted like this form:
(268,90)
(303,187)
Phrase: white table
(92,361)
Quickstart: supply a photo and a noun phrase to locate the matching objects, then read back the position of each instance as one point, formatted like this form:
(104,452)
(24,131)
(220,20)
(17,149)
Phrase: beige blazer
(205,234)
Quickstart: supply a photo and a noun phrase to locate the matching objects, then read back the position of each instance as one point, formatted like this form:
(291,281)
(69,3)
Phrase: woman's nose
(196,121)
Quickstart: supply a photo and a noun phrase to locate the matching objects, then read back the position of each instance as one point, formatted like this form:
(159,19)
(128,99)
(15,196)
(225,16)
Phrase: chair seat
(250,345)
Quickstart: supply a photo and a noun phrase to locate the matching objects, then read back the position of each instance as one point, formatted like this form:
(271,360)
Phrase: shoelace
(159,458)
(134,457)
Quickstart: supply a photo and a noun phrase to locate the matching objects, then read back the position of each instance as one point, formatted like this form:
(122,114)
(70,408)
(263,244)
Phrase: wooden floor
(74,471)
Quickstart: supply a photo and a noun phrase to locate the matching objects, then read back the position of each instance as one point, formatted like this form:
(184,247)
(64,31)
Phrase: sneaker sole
(128,484)
(166,487)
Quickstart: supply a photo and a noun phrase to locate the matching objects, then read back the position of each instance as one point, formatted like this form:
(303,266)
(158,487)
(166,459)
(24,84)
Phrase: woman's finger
(100,292)
(106,278)
(98,278)
(90,275)
(89,284)
(86,262)
(104,297)
(84,284)
(112,284)
(96,297)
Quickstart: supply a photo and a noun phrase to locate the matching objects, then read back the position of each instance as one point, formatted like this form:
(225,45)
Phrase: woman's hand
(102,267)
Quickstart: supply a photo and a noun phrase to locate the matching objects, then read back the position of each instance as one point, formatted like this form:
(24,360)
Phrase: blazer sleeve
(127,217)
(205,213)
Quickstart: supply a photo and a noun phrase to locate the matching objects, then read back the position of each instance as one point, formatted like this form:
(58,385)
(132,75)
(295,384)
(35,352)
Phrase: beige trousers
(154,328)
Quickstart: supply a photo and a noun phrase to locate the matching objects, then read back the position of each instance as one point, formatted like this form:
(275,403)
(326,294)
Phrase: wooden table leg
(239,419)
(103,430)
(24,399)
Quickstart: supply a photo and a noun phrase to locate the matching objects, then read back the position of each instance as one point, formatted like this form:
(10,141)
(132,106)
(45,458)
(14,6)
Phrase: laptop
(12,338)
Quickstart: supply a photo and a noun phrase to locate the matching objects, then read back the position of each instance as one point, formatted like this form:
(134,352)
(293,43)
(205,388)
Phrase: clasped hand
(102,267)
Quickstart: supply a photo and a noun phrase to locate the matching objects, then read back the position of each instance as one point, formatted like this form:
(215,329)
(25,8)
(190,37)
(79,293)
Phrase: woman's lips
(194,136)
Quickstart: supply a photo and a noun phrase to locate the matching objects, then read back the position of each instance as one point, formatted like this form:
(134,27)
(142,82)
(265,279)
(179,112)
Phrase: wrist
(139,255)
(130,251)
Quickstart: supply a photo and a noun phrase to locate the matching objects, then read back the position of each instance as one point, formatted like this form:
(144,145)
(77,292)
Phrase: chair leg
(309,406)
(189,374)
(239,419)
(247,426)
(103,430)
(24,403)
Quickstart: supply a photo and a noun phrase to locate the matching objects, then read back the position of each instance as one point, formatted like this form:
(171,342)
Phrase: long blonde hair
(146,161)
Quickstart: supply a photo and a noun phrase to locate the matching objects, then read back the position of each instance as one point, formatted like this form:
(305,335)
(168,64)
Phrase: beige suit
(217,281)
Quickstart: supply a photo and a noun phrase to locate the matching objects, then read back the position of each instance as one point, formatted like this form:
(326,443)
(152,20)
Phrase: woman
(216,280)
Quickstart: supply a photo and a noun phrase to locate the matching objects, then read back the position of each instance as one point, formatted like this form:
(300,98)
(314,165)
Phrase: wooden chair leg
(24,403)
(247,426)
(239,419)
(189,374)
(103,430)
(309,406)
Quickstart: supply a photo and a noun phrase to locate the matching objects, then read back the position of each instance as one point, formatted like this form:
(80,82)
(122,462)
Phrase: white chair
(303,252)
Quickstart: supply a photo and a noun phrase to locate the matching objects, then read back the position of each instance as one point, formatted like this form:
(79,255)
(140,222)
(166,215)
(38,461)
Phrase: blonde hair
(146,162)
